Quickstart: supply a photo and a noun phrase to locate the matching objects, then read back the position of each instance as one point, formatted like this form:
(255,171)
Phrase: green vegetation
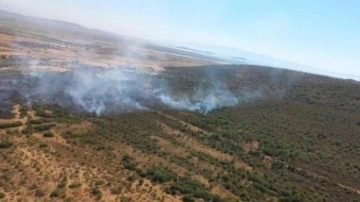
(10,125)
(5,144)
(39,193)
(159,174)
(43,145)
(37,121)
(55,193)
(74,185)
(128,162)
(48,134)
(41,128)
(190,188)
(27,130)
(97,193)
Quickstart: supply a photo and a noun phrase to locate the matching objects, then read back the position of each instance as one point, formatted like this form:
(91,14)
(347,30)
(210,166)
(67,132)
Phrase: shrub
(116,191)
(230,199)
(27,130)
(41,128)
(39,193)
(61,185)
(188,199)
(37,121)
(74,185)
(10,125)
(188,186)
(160,174)
(128,162)
(294,198)
(55,193)
(5,144)
(216,198)
(48,134)
(97,193)
(278,165)
(99,183)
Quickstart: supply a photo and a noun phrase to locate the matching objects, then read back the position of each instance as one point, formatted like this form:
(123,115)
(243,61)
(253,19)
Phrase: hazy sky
(320,33)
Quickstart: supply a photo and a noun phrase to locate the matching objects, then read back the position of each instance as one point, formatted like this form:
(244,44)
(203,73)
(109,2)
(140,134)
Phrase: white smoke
(94,90)
(98,90)
(204,100)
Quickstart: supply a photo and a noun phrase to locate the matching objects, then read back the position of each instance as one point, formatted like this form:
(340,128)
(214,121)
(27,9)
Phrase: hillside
(81,122)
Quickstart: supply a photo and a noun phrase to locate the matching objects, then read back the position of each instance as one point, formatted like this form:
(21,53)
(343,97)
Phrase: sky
(324,34)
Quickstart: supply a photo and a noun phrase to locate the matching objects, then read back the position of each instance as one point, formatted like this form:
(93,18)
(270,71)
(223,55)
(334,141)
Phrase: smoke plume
(101,90)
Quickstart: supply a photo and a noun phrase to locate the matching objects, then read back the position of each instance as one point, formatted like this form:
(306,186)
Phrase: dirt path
(195,145)
(188,125)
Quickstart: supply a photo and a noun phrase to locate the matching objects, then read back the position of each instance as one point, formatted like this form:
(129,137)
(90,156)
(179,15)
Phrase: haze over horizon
(321,34)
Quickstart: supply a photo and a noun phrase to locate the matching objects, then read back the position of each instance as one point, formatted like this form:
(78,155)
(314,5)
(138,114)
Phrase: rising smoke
(102,90)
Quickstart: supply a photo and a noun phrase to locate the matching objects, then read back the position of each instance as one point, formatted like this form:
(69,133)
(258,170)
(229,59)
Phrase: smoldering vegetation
(108,90)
